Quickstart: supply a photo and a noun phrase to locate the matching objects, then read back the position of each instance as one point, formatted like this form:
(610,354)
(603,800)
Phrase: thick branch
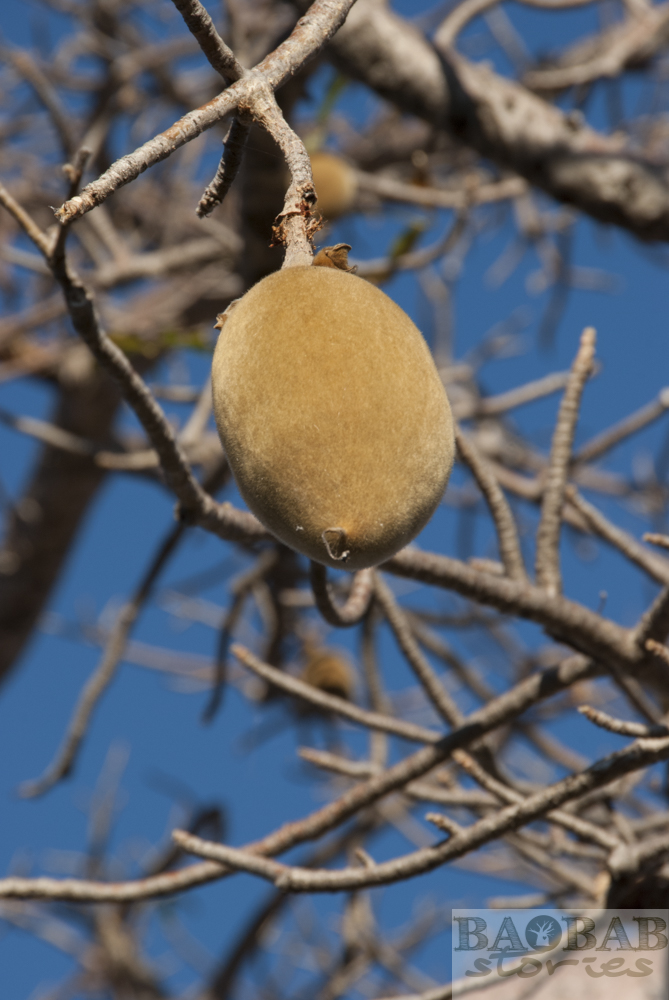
(504,122)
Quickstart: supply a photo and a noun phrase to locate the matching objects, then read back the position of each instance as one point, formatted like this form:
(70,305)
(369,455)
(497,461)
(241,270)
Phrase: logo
(579,954)
(543,932)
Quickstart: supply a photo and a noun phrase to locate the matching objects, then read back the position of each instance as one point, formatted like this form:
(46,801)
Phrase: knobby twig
(619,726)
(548,533)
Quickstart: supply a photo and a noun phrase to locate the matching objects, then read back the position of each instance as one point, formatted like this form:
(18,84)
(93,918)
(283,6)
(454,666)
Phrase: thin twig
(656,539)
(231,159)
(658,648)
(490,406)
(240,589)
(423,791)
(500,711)
(432,197)
(200,25)
(582,828)
(619,726)
(548,533)
(401,629)
(635,422)
(39,238)
(507,532)
(640,754)
(95,687)
(332,703)
(357,602)
(656,566)
(466,11)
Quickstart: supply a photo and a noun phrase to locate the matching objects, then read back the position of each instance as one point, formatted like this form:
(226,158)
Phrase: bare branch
(582,828)
(548,534)
(629,858)
(432,197)
(96,685)
(227,169)
(502,709)
(239,588)
(646,559)
(357,602)
(656,539)
(654,624)
(633,42)
(200,24)
(39,238)
(466,11)
(332,703)
(619,726)
(434,689)
(504,122)
(640,754)
(507,533)
(490,406)
(636,421)
(570,622)
(310,34)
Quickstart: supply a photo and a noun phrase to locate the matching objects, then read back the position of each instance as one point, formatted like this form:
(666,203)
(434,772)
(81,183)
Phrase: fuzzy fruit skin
(332,414)
(329,672)
(335,184)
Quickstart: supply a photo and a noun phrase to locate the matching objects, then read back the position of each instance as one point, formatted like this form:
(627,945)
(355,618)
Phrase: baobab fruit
(328,671)
(335,184)
(332,415)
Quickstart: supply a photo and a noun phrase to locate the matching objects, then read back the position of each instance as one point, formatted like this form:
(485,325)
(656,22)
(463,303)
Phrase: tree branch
(548,533)
(200,25)
(357,602)
(640,754)
(507,533)
(504,122)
